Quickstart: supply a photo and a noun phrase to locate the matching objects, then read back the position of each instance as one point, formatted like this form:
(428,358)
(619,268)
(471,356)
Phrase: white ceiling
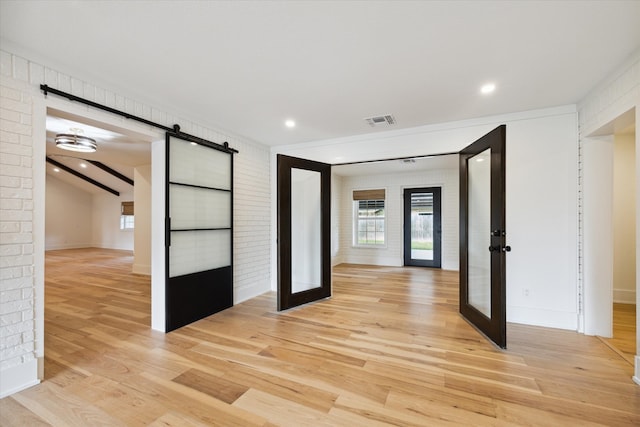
(119,150)
(247,66)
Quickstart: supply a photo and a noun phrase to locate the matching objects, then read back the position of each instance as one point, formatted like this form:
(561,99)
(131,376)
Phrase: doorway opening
(96,215)
(609,234)
(422,227)
(624,243)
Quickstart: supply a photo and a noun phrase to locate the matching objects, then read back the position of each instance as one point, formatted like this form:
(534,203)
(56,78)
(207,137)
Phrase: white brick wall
(17,342)
(394,184)
(19,292)
(611,98)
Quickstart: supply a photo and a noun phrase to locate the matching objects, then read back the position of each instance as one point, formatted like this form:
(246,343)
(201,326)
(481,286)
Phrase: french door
(198,237)
(483,235)
(304,231)
(422,227)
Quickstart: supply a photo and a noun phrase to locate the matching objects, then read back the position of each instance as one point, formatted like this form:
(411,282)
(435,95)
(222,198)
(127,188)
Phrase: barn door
(199,232)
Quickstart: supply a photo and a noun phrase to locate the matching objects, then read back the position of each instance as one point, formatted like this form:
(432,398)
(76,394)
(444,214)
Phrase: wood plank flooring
(389,348)
(624,331)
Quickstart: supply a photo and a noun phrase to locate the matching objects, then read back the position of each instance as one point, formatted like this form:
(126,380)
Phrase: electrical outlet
(525,292)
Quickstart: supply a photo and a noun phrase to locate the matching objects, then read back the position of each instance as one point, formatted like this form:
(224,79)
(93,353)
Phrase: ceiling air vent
(385,120)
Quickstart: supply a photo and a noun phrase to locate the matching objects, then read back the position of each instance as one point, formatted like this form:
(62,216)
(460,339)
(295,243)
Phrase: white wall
(142,219)
(541,198)
(106,222)
(597,253)
(393,252)
(69,216)
(624,218)
(77,219)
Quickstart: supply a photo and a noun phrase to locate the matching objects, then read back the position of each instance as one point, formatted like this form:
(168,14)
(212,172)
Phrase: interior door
(198,239)
(304,231)
(422,227)
(483,235)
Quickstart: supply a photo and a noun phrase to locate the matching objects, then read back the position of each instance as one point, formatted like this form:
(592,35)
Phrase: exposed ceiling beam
(111,171)
(82,176)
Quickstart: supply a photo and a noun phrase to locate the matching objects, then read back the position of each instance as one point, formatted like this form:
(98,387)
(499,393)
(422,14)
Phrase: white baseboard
(541,317)
(17,378)
(624,296)
(141,269)
(636,377)
(68,246)
(248,292)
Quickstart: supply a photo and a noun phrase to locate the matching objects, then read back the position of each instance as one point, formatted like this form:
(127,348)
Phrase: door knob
(506,249)
(494,248)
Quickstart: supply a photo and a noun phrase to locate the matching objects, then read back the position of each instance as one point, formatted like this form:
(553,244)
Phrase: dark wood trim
(287,299)
(494,327)
(111,171)
(82,176)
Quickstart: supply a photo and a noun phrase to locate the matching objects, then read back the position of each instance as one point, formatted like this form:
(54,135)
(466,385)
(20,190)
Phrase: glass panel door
(198,230)
(483,235)
(304,224)
(422,227)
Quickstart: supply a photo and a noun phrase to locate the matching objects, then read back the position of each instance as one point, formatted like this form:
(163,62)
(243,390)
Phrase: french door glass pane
(479,232)
(306,227)
(422,226)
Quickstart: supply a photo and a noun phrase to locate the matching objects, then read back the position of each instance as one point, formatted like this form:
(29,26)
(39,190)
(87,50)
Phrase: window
(126,216)
(369,217)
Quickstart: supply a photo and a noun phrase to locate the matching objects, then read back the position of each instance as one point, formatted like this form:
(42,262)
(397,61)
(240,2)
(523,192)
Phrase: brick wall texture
(19,87)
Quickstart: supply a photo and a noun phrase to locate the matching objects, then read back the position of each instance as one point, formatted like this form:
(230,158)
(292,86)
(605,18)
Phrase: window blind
(369,194)
(126,208)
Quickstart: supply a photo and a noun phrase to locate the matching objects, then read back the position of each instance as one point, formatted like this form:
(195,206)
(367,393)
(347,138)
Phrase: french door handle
(499,248)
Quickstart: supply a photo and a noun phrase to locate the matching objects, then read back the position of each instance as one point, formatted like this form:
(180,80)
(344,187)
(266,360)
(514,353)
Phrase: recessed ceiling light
(83,165)
(194,143)
(290,123)
(56,170)
(488,88)
(480,159)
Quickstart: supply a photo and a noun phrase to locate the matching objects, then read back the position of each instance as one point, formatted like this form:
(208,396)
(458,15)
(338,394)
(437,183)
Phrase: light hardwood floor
(389,348)
(624,331)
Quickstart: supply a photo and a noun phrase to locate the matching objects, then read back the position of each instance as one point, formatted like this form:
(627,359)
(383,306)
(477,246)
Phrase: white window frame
(356,223)
(127,222)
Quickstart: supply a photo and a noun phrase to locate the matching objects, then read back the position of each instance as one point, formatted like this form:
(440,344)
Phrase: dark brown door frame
(494,327)
(436,262)
(287,299)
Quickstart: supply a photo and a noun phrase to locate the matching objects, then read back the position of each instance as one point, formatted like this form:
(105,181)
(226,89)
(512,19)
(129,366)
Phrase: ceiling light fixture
(488,88)
(75,142)
(290,124)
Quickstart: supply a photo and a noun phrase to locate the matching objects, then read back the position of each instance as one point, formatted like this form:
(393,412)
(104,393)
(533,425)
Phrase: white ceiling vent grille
(385,120)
